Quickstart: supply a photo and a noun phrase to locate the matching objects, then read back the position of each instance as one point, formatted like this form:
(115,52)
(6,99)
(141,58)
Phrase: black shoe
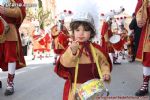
(131,60)
(33,58)
(116,63)
(9,91)
(0,84)
(141,92)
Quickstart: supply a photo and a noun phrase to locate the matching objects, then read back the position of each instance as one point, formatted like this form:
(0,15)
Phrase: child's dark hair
(87,26)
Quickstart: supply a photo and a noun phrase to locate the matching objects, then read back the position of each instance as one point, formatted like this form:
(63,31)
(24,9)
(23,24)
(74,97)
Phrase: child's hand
(106,77)
(74,47)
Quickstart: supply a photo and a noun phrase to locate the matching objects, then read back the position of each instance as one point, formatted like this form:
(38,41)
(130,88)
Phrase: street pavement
(38,81)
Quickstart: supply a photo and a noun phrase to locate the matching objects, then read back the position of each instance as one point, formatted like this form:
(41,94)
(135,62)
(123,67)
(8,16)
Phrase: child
(83,30)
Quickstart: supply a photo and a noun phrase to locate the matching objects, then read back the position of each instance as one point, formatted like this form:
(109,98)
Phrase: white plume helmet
(60,18)
(85,17)
(112,13)
(86,10)
(62,15)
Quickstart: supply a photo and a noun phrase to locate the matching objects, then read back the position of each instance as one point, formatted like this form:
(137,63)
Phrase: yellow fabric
(142,12)
(146,47)
(68,59)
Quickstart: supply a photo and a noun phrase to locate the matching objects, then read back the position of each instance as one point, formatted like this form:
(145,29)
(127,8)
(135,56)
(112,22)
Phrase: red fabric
(40,50)
(139,54)
(83,75)
(47,38)
(104,28)
(148,9)
(146,59)
(66,90)
(58,51)
(106,31)
(10,55)
(138,6)
(119,46)
(1,28)
(47,42)
(42,41)
(17,22)
(35,37)
(63,39)
(10,51)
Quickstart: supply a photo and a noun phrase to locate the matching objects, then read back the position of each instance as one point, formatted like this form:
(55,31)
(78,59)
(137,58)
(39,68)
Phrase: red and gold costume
(124,35)
(106,34)
(87,67)
(14,17)
(60,39)
(143,53)
(47,40)
(38,41)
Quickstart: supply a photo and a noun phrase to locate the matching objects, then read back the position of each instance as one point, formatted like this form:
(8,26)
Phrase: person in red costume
(142,12)
(47,39)
(38,42)
(106,33)
(83,30)
(11,55)
(60,36)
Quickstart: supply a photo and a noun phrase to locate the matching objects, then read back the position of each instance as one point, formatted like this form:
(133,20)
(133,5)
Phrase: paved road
(39,82)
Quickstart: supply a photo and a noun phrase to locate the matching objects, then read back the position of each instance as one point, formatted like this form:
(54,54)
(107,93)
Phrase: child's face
(81,35)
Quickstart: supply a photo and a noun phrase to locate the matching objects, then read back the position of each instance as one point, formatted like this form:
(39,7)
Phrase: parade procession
(74,49)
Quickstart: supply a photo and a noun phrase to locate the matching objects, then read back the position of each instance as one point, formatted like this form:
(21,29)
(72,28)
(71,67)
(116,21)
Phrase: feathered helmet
(84,17)
(110,15)
(62,15)
(60,18)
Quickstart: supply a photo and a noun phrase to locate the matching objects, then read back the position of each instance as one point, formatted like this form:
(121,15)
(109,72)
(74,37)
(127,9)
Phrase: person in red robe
(38,42)
(47,39)
(83,31)
(106,34)
(60,36)
(11,55)
(142,12)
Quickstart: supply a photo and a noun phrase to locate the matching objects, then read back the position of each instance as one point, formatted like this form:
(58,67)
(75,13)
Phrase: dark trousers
(25,50)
